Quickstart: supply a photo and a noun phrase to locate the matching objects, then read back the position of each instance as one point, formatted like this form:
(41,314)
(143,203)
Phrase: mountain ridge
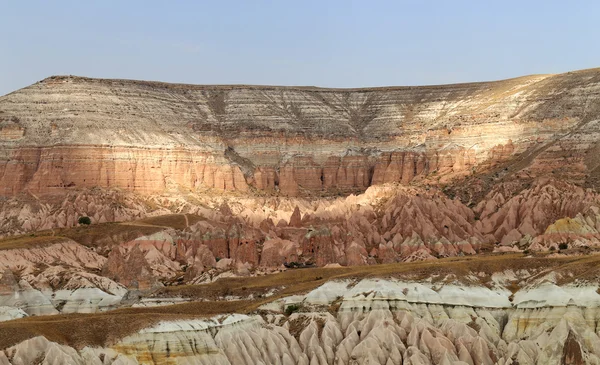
(291,87)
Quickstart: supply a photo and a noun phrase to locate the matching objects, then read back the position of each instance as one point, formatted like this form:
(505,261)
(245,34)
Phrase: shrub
(292,308)
(563,246)
(85,220)
(552,248)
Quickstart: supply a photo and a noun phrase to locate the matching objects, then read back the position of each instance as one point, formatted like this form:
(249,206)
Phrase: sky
(329,43)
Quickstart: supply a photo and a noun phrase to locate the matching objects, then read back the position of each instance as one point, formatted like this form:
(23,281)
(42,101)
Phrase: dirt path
(144,224)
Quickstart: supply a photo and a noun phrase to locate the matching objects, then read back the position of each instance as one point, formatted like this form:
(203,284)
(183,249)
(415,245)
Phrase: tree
(85,220)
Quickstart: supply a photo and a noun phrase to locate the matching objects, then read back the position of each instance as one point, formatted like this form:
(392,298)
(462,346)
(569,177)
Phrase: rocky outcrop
(518,154)
(217,186)
(507,219)
(29,213)
(370,321)
(62,277)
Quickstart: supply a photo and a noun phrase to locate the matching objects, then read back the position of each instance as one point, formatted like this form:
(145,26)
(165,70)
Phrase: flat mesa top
(169,85)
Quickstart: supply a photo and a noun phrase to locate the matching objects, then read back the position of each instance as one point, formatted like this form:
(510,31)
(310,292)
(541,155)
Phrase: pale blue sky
(322,43)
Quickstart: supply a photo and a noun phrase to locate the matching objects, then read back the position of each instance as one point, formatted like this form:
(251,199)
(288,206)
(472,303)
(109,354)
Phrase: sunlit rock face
(386,224)
(71,132)
(504,152)
(91,269)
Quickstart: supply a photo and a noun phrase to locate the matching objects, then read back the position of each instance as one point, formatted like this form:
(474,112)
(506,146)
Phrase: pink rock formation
(508,219)
(296,218)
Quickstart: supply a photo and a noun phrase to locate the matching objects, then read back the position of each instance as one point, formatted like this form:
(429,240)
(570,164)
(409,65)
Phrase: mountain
(247,224)
(68,132)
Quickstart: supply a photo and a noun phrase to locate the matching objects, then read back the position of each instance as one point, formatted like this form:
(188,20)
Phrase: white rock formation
(388,322)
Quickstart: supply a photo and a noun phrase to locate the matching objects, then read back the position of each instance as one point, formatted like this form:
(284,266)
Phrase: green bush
(563,246)
(292,308)
(85,220)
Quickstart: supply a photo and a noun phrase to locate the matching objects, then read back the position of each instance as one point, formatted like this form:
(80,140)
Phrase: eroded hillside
(455,224)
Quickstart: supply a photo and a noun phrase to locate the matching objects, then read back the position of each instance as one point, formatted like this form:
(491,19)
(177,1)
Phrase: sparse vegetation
(563,246)
(334,307)
(29,241)
(292,308)
(101,232)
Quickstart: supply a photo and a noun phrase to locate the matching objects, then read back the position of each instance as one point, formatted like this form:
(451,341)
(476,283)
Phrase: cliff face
(71,132)
(463,167)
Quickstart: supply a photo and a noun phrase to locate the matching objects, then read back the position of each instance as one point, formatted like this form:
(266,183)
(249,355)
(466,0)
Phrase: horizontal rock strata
(70,132)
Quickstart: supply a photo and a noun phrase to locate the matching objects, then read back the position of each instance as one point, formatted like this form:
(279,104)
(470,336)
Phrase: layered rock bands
(71,132)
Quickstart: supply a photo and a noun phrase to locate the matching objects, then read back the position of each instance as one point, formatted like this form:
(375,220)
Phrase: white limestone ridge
(377,321)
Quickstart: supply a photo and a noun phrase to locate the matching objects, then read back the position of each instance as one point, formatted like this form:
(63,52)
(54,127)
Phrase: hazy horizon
(339,44)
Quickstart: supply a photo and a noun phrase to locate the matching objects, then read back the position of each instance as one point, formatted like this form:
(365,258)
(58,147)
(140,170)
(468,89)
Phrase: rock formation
(195,193)
(371,321)
(66,132)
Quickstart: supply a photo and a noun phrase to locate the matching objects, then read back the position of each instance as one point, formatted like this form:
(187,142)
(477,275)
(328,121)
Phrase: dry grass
(107,233)
(101,234)
(176,221)
(80,330)
(29,241)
